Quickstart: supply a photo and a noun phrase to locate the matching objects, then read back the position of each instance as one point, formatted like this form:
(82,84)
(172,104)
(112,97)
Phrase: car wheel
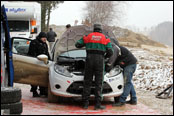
(15,108)
(51,97)
(116,99)
(10,95)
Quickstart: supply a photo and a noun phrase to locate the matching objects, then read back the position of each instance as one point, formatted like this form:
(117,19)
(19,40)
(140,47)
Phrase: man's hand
(122,63)
(106,60)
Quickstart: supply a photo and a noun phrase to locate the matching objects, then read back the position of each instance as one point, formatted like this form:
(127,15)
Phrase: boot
(43,91)
(85,105)
(31,90)
(119,104)
(131,102)
(35,94)
(98,106)
(43,94)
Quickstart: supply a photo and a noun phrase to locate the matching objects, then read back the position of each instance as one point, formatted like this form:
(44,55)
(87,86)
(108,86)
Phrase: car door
(27,69)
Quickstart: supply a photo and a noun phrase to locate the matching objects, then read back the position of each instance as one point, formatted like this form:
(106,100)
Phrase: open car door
(27,69)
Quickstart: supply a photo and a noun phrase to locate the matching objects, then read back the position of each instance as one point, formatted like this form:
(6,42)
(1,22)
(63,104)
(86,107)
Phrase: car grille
(77,88)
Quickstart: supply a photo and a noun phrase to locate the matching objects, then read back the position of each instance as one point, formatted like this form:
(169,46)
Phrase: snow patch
(154,72)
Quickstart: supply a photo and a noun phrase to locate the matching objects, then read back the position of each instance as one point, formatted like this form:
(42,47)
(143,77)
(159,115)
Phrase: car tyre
(10,95)
(15,108)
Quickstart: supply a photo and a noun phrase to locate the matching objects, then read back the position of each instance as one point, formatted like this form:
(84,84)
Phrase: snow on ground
(154,71)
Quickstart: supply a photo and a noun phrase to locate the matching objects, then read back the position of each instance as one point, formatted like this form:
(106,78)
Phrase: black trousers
(94,67)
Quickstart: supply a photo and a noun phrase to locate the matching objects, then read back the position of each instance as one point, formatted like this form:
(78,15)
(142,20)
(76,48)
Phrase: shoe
(85,105)
(99,107)
(131,102)
(119,104)
(35,94)
(43,95)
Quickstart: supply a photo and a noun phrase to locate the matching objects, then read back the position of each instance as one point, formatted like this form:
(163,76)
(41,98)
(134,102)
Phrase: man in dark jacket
(128,62)
(51,37)
(37,47)
(96,46)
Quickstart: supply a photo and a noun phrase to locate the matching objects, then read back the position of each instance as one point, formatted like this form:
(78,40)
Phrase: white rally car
(64,74)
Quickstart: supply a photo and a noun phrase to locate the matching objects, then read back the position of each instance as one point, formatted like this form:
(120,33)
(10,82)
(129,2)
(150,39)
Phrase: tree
(104,12)
(46,9)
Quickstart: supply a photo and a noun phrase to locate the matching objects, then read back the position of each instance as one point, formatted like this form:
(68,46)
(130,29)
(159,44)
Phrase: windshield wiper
(67,57)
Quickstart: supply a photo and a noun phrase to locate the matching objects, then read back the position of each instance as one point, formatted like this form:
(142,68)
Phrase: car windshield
(74,54)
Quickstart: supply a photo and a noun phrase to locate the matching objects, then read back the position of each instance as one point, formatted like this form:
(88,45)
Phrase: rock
(170,58)
(156,71)
(147,67)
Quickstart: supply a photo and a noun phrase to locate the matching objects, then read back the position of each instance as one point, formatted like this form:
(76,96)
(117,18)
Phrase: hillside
(163,33)
(125,35)
(131,39)
(128,38)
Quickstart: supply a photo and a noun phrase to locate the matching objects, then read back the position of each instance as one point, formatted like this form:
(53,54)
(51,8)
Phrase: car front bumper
(73,86)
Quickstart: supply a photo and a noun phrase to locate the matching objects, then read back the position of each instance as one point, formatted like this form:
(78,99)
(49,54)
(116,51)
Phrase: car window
(15,26)
(21,46)
(74,53)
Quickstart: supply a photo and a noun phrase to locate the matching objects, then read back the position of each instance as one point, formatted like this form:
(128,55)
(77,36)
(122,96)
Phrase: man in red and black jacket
(98,48)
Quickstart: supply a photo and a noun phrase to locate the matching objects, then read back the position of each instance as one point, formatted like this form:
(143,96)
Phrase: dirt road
(148,98)
(69,106)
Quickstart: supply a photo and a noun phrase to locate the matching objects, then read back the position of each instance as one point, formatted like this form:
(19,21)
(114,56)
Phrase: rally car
(64,73)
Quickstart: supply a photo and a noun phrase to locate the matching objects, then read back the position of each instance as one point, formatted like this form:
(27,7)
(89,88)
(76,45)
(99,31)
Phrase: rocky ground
(164,106)
(154,73)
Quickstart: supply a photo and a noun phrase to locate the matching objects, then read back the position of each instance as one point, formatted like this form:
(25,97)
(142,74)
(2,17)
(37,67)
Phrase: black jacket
(126,57)
(51,36)
(37,47)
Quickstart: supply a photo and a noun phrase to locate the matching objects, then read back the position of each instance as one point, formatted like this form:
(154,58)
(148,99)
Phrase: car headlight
(62,70)
(114,72)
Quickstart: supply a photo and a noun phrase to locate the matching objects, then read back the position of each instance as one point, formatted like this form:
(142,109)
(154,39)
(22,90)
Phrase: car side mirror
(43,58)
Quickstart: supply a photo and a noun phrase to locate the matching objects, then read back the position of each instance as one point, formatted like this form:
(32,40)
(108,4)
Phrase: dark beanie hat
(42,34)
(97,28)
(68,26)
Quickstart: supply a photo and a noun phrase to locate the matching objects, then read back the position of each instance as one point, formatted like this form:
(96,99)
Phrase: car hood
(69,37)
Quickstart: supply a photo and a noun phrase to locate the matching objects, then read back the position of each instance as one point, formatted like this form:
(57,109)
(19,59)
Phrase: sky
(138,13)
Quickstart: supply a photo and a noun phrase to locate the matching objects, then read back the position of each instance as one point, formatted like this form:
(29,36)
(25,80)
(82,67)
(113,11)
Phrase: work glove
(122,63)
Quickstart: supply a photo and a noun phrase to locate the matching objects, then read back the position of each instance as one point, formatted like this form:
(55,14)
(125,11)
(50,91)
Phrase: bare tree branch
(104,12)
